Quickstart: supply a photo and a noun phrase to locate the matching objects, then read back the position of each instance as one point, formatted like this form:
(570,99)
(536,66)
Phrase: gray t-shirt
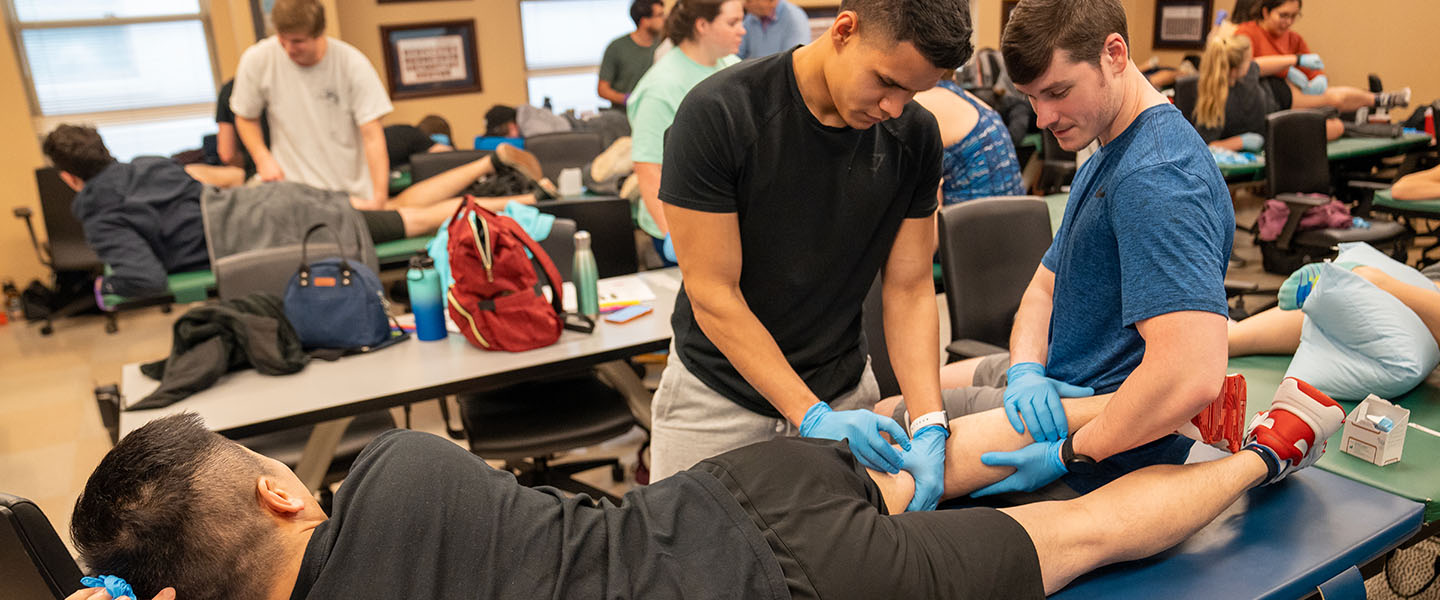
(315,112)
(625,62)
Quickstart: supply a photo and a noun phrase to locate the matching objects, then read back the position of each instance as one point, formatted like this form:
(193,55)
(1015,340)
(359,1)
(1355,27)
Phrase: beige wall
(19,155)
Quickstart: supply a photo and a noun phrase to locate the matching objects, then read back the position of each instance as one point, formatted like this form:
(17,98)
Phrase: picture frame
(1006,7)
(431,59)
(1181,24)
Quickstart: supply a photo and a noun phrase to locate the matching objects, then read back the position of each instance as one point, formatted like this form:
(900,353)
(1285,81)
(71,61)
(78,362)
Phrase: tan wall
(19,156)
(502,60)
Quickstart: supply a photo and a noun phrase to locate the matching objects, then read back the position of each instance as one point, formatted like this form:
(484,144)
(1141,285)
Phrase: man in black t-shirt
(174,504)
(403,141)
(789,183)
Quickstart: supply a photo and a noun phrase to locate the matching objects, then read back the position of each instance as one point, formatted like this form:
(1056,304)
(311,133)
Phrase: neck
(809,65)
(1138,95)
(292,552)
(643,37)
(697,53)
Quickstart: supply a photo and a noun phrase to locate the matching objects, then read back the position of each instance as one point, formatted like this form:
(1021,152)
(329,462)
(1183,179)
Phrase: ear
(1115,53)
(276,497)
(844,29)
(71,180)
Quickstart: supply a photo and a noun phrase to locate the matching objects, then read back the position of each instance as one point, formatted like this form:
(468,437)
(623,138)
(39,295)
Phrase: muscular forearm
(912,337)
(649,174)
(1030,337)
(377,158)
(725,317)
(254,140)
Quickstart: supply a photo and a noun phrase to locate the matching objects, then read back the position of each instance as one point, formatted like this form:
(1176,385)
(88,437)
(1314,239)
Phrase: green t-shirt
(652,107)
(625,62)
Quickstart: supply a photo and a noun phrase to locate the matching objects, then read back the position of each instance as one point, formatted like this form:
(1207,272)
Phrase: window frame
(43,123)
(581,69)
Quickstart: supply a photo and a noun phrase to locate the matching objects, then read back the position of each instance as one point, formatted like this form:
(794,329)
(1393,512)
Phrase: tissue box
(1363,436)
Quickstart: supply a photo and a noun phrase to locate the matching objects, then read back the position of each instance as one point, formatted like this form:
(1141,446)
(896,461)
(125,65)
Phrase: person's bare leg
(425,220)
(1425,302)
(444,186)
(1133,517)
(218,176)
(1342,98)
(1273,331)
(990,431)
(959,374)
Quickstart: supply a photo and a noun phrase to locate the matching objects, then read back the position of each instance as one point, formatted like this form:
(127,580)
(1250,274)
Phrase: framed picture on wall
(431,59)
(1181,24)
(1006,6)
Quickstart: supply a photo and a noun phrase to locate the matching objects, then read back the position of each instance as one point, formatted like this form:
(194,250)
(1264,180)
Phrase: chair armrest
(1362,184)
(972,348)
(1303,200)
(22,212)
(1235,287)
(1365,196)
(1297,204)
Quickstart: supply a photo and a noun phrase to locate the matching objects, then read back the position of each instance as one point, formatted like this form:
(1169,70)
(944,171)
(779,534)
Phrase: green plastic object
(1384,200)
(1416,476)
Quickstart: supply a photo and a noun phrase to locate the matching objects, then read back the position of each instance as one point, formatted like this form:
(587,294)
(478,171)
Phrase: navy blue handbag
(333,303)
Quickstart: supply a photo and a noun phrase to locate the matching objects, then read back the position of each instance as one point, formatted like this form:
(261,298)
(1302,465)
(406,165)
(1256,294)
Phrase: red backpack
(497,297)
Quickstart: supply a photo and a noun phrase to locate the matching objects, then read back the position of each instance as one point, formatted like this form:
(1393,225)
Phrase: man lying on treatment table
(174,504)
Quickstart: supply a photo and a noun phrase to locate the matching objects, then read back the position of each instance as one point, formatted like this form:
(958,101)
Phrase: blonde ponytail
(1222,54)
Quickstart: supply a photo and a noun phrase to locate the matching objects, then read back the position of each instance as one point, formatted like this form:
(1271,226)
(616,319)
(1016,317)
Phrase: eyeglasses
(1291,17)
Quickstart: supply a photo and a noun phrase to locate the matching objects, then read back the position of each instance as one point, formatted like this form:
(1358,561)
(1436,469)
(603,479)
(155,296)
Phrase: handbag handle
(304,269)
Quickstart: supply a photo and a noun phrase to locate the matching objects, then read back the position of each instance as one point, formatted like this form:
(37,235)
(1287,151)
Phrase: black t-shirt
(818,208)
(403,140)
(223,114)
(419,517)
(1246,107)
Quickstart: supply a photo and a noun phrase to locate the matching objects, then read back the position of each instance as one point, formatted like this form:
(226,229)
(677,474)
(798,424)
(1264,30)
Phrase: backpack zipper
(450,297)
(487,256)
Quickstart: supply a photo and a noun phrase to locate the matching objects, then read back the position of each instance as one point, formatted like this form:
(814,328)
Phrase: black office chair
(612,232)
(34,563)
(429,164)
(872,322)
(1187,93)
(71,261)
(564,150)
(1296,169)
(1057,166)
(989,249)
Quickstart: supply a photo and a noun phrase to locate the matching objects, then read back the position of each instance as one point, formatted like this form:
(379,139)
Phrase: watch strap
(938,417)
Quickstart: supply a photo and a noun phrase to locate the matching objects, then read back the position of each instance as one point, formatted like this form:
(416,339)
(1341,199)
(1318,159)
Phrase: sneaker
(510,158)
(1292,435)
(613,162)
(1222,423)
(630,189)
(1394,99)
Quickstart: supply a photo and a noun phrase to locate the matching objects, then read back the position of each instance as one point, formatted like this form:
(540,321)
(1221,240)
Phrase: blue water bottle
(426,298)
(586,277)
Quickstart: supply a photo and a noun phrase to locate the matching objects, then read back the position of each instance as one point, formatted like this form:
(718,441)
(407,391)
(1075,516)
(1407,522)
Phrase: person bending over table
(1277,331)
(174,504)
(979,158)
(143,218)
(1130,296)
(1422,185)
(1231,103)
(791,182)
(1283,56)
(706,34)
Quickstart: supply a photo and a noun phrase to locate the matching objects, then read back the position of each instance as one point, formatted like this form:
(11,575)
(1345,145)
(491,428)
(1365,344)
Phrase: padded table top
(1384,199)
(1416,476)
(1341,149)
(400,250)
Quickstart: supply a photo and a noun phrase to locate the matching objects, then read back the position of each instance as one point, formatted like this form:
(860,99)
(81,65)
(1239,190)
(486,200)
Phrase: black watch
(1075,463)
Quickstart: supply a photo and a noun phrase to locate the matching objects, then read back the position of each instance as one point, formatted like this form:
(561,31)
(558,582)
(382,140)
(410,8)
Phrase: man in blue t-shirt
(773,26)
(1130,297)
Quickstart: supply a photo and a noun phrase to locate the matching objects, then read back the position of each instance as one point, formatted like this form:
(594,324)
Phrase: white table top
(247,403)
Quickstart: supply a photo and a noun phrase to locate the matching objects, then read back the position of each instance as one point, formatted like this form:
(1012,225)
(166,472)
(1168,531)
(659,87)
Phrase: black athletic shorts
(825,520)
(384,225)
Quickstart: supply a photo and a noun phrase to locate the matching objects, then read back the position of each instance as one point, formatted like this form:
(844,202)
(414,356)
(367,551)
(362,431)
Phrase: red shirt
(1264,44)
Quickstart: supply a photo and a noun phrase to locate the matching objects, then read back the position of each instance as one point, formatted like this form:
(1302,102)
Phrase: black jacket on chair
(213,340)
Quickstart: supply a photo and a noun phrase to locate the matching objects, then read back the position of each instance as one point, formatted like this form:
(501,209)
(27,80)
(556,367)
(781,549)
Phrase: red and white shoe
(1294,431)
(1222,422)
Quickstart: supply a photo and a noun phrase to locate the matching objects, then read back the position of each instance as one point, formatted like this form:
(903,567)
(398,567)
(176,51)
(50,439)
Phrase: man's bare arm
(377,158)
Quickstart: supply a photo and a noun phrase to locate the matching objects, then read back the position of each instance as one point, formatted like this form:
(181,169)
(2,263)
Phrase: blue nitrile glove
(1036,398)
(113,585)
(1310,61)
(1297,77)
(926,463)
(669,249)
(1317,86)
(1252,142)
(1035,466)
(1359,223)
(862,428)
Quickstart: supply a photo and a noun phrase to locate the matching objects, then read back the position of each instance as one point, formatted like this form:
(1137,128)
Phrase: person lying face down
(174,504)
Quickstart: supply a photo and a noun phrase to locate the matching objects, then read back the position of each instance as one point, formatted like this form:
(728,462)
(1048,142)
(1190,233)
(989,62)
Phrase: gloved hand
(1035,466)
(1252,142)
(113,585)
(1036,398)
(1310,61)
(668,250)
(862,428)
(1317,86)
(1297,77)
(926,463)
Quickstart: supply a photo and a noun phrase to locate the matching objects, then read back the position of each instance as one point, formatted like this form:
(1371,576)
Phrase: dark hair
(1261,6)
(433,124)
(1245,10)
(1038,28)
(498,118)
(173,504)
(77,150)
(680,24)
(939,29)
(299,16)
(642,9)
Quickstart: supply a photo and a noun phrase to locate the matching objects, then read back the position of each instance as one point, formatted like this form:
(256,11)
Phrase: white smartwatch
(939,417)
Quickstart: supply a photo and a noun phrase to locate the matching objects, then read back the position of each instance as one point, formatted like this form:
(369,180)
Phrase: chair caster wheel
(47,330)
(111,327)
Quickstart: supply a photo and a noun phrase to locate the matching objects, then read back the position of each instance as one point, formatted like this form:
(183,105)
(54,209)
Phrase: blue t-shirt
(1147,231)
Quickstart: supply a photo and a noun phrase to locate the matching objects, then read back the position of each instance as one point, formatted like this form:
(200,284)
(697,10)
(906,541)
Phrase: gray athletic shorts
(987,392)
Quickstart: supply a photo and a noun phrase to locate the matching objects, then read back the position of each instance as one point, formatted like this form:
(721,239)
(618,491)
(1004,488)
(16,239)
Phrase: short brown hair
(1037,28)
(77,150)
(299,16)
(433,124)
(680,24)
